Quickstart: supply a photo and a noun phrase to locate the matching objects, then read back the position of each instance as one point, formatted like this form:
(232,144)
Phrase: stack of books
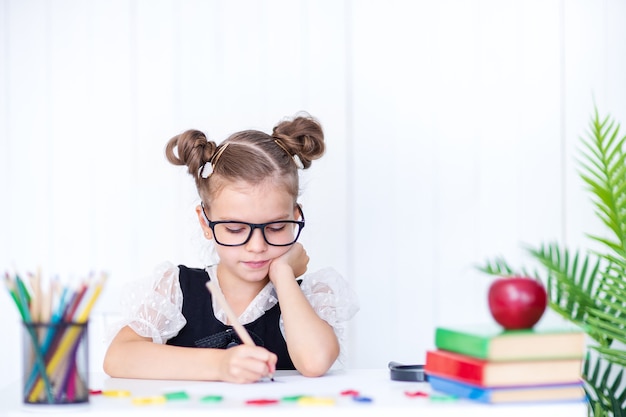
(495,366)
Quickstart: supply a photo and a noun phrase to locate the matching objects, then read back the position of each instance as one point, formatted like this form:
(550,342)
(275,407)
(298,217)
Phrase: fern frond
(614,246)
(604,329)
(603,384)
(602,169)
(575,275)
(573,284)
(617,357)
(497,267)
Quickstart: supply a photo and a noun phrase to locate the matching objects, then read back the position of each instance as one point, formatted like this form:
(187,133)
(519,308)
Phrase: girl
(248,186)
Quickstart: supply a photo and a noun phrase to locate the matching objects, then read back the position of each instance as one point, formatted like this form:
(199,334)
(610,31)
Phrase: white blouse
(153,307)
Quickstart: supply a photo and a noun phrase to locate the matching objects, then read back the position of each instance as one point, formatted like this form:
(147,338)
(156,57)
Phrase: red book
(484,373)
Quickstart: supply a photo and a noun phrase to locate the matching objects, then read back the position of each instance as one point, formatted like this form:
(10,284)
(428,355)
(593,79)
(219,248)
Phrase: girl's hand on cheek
(245,364)
(296,259)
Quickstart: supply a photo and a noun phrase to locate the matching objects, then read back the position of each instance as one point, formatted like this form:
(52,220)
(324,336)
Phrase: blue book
(517,394)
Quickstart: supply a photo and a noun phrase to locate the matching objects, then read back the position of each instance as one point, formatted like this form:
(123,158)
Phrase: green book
(496,344)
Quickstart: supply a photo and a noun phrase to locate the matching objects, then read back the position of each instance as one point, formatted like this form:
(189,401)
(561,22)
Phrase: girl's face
(252,204)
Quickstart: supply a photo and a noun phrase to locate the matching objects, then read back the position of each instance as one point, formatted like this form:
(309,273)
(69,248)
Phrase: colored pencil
(22,299)
(10,286)
(70,337)
(35,306)
(76,300)
(55,323)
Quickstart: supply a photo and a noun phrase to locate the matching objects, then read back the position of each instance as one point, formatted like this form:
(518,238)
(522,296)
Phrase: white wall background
(452,129)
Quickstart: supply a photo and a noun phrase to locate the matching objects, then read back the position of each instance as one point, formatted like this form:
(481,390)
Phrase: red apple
(517,302)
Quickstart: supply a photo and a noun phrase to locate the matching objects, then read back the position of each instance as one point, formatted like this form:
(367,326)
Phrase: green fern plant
(588,288)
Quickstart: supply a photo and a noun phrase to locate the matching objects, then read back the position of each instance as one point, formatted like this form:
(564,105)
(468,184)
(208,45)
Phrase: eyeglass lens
(277,233)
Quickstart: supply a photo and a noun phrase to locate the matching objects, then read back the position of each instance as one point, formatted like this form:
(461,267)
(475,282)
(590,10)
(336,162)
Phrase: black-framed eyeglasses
(277,233)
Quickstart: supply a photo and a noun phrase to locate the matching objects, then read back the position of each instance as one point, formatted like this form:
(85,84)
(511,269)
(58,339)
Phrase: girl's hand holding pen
(246,364)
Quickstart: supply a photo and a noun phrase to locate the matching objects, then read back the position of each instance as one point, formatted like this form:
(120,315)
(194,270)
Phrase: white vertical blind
(452,129)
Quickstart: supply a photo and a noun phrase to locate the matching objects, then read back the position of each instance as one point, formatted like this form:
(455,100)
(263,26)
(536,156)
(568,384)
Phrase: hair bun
(302,136)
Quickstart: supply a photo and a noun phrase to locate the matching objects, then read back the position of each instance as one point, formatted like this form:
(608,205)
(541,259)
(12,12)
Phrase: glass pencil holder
(55,363)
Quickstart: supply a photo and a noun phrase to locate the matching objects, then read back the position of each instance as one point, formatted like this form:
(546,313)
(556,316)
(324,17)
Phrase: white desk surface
(387,395)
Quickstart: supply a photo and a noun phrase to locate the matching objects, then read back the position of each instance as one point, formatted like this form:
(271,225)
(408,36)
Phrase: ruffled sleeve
(152,307)
(334,301)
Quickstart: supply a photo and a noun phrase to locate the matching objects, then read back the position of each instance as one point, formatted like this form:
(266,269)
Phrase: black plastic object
(400,372)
